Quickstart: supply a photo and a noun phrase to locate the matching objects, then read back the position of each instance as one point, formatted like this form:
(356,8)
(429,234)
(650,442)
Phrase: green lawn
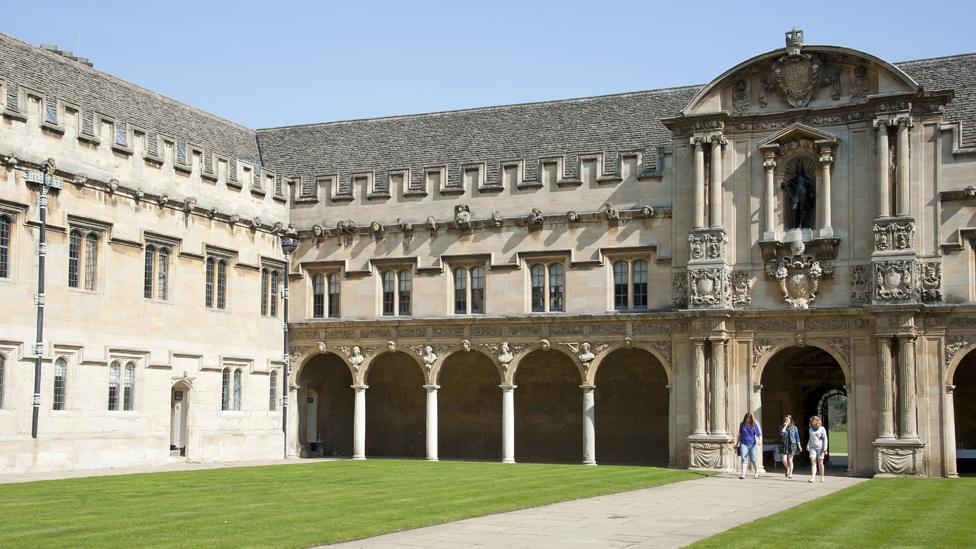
(291,505)
(895,512)
(838,442)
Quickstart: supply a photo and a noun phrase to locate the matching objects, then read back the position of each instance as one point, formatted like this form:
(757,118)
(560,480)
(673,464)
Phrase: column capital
(902,119)
(717,139)
(881,123)
(908,337)
(826,154)
(587,387)
(721,339)
(769,161)
(507,387)
(431,387)
(360,387)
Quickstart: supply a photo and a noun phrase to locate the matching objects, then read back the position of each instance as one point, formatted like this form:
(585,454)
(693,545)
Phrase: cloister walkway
(673,515)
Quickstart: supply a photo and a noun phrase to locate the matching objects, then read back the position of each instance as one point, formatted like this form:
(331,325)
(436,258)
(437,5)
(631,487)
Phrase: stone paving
(674,515)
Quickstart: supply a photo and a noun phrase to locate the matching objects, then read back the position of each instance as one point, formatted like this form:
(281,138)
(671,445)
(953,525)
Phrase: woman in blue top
(790,437)
(748,440)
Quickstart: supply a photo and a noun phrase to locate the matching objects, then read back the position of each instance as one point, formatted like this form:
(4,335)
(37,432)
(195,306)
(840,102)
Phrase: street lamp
(289,241)
(47,181)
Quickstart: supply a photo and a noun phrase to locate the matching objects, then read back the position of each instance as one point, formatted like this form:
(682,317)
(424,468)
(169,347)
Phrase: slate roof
(55,76)
(956,72)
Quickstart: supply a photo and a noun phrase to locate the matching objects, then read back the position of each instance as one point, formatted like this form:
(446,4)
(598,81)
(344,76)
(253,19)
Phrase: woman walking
(817,447)
(748,442)
(790,437)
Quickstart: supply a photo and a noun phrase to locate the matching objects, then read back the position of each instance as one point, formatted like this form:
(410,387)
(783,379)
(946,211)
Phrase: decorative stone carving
(893,235)
(705,286)
(766,85)
(740,95)
(496,218)
(429,357)
(113,185)
(843,346)
(405,227)
(706,455)
(545,344)
(535,218)
(355,355)
(831,78)
(894,280)
(318,230)
(662,346)
(391,346)
(432,224)
(255,223)
(759,348)
(647,211)
(163,200)
(346,229)
(797,74)
(189,204)
(860,289)
(462,217)
(930,278)
(466,345)
(953,346)
(679,289)
(212,213)
(504,353)
(825,324)
(321,346)
(859,84)
(799,278)
(899,460)
(741,287)
(79,180)
(803,196)
(707,244)
(586,352)
(613,214)
(376,228)
(233,219)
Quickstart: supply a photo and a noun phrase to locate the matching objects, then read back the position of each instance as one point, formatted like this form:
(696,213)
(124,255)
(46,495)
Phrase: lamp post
(47,181)
(289,241)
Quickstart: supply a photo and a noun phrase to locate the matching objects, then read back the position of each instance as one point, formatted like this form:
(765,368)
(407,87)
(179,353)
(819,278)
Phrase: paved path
(674,515)
(181,465)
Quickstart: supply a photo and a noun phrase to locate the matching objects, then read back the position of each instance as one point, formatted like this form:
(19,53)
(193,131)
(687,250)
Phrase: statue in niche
(802,198)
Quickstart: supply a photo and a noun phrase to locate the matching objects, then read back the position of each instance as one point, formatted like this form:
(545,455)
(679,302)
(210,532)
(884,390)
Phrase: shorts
(749,453)
(816,455)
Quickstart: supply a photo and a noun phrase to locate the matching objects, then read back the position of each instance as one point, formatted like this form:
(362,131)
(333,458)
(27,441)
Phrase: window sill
(231,413)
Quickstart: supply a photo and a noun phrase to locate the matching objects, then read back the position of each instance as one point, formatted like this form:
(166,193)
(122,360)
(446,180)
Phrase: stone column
(294,446)
(698,367)
(950,432)
(432,421)
(884,186)
(886,415)
(826,166)
(715,188)
(904,193)
(508,423)
(698,145)
(907,409)
(589,427)
(359,423)
(718,386)
(769,199)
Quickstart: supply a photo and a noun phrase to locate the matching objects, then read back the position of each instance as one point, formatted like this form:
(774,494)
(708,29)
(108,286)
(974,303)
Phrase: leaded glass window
(4,246)
(621,287)
(477,291)
(556,287)
(221,284)
(333,295)
(640,284)
(60,383)
(275,275)
(114,373)
(538,276)
(318,296)
(237,389)
(225,389)
(264,291)
(91,255)
(74,258)
(404,290)
(147,286)
(461,290)
(130,382)
(162,288)
(209,283)
(273,391)
(389,297)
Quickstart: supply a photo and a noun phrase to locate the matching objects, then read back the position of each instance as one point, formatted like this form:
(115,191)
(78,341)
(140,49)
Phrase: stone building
(613,279)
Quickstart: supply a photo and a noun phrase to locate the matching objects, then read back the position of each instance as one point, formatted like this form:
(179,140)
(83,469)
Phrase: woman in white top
(817,447)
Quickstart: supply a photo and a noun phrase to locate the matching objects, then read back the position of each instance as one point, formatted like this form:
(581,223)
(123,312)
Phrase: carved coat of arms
(797,74)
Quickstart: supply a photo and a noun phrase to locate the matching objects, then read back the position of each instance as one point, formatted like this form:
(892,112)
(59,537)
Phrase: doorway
(179,408)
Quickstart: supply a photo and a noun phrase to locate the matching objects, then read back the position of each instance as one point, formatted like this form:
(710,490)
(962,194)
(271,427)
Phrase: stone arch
(324,382)
(470,405)
(517,360)
(960,406)
(958,358)
(396,404)
(598,361)
(307,355)
(817,369)
(435,372)
(632,407)
(548,406)
(364,370)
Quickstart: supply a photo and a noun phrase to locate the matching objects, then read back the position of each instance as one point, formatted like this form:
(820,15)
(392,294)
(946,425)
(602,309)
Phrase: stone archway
(801,381)
(631,408)
(470,407)
(548,410)
(964,404)
(396,406)
(324,383)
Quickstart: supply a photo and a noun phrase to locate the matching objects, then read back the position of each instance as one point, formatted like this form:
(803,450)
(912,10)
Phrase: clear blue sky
(274,63)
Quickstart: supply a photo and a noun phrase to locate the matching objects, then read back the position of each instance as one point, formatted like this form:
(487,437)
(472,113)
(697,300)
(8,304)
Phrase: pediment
(800,77)
(798,132)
